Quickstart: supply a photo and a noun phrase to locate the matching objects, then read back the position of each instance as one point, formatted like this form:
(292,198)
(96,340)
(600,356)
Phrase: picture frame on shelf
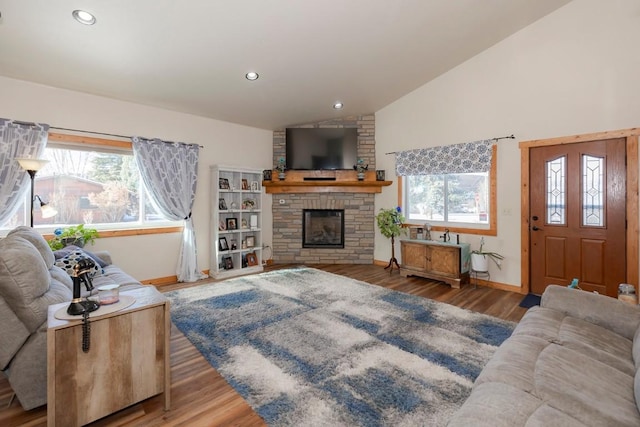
(222,225)
(245,184)
(252,259)
(255,186)
(232,224)
(248,204)
(222,204)
(251,241)
(223,244)
(266,174)
(224,184)
(227,263)
(244,223)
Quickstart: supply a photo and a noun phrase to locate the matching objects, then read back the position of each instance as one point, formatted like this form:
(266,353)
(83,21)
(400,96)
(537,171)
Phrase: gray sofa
(30,282)
(573,361)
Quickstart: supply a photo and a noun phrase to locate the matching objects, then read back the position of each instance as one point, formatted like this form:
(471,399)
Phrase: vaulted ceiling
(192,56)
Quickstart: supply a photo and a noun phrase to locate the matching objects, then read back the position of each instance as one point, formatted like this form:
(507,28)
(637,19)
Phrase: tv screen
(321,148)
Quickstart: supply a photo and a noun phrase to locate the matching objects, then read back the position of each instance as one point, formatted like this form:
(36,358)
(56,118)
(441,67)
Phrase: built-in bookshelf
(236,221)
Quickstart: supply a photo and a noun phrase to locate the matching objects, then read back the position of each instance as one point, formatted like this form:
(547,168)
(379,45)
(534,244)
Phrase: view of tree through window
(89,187)
(454,198)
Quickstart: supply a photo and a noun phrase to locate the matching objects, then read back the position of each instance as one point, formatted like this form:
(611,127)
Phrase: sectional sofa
(573,361)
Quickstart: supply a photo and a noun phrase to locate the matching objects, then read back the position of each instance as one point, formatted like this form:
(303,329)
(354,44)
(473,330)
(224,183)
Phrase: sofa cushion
(586,338)
(25,281)
(37,241)
(14,334)
(495,404)
(636,388)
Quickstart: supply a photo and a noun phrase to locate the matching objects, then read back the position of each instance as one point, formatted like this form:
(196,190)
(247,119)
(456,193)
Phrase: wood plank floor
(201,397)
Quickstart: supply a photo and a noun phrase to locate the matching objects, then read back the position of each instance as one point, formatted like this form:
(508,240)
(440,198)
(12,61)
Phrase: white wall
(150,256)
(575,71)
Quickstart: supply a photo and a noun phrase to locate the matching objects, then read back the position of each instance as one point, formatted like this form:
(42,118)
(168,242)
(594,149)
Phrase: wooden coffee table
(127,362)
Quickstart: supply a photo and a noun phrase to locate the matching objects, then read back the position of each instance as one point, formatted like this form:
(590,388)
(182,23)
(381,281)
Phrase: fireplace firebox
(323,228)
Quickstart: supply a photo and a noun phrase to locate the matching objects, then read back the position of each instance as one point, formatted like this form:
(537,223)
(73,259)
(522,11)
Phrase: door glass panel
(592,191)
(556,191)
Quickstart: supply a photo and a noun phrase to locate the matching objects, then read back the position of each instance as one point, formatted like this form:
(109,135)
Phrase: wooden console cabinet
(435,260)
(127,362)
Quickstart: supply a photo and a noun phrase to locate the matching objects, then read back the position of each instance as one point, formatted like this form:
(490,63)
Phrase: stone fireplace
(323,228)
(358,228)
(357,208)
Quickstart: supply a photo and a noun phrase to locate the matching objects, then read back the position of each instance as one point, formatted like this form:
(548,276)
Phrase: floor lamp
(32,166)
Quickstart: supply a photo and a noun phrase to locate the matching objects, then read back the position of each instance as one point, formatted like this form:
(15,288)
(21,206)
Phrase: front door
(577,215)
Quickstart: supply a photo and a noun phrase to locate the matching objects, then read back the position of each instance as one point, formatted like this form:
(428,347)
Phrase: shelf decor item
(360,167)
(380,175)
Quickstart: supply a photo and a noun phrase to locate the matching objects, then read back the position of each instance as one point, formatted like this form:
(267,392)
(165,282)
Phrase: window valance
(458,158)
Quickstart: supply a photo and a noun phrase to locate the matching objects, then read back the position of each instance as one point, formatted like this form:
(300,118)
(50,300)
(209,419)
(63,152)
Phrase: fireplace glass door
(323,228)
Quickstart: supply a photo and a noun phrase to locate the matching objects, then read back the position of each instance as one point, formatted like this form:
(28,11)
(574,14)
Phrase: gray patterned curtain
(17,140)
(459,158)
(170,174)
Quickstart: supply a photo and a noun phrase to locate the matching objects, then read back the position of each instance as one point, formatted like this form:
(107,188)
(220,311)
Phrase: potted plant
(480,258)
(390,224)
(360,167)
(77,235)
(281,167)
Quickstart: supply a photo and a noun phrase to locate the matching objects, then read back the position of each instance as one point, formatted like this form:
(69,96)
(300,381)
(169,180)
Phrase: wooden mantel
(329,181)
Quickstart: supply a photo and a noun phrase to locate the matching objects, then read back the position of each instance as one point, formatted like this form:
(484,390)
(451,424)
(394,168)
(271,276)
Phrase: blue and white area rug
(310,348)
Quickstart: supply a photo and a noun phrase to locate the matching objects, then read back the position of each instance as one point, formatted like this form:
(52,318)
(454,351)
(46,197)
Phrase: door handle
(535,228)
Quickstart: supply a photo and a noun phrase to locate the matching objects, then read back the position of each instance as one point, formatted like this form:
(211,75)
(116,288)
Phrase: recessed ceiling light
(338,105)
(252,75)
(83,17)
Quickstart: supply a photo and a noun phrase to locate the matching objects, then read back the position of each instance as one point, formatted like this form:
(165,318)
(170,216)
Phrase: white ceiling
(191,56)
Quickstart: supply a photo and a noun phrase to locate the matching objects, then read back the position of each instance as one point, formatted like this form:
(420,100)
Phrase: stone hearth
(358,228)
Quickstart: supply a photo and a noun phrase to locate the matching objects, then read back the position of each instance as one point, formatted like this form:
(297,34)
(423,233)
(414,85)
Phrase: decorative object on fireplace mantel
(360,167)
(390,224)
(281,167)
(266,175)
(380,175)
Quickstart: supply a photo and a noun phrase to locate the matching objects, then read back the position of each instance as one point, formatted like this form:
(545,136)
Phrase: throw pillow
(69,261)
(61,253)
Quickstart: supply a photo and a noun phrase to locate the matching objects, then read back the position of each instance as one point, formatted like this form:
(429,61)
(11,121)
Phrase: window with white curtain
(90,184)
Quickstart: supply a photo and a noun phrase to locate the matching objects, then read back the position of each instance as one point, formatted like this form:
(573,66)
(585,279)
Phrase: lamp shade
(29,164)
(48,211)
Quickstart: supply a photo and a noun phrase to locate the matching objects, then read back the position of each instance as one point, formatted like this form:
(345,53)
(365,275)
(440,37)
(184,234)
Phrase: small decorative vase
(282,175)
(360,176)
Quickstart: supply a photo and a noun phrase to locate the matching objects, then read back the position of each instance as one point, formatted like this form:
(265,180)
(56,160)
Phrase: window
(450,198)
(90,184)
(461,202)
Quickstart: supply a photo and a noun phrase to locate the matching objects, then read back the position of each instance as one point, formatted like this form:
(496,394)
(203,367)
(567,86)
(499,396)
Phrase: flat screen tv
(321,148)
